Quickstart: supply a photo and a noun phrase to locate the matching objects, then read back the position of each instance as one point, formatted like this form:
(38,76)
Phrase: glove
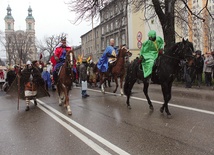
(56,58)
(111,56)
(160,52)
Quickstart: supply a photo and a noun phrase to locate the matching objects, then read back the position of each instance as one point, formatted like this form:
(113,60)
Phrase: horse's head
(182,51)
(123,52)
(70,57)
(186,51)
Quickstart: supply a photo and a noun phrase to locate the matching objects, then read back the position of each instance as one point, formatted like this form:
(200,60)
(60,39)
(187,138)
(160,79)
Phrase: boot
(109,83)
(55,77)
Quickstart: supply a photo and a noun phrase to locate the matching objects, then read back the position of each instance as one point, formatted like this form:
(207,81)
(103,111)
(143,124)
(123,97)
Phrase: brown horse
(118,70)
(65,80)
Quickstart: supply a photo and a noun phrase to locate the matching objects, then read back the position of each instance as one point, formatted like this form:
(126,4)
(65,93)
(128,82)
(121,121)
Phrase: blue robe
(102,64)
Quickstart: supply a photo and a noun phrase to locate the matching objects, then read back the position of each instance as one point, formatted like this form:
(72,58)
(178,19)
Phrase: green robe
(149,51)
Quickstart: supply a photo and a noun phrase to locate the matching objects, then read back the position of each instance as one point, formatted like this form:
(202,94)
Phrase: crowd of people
(200,72)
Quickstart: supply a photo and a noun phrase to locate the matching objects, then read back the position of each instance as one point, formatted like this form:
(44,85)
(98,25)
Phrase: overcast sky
(51,17)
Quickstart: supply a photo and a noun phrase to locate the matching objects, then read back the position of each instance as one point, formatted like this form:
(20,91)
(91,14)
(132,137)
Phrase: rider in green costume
(149,52)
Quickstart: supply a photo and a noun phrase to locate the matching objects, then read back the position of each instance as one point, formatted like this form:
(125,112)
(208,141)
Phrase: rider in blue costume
(109,53)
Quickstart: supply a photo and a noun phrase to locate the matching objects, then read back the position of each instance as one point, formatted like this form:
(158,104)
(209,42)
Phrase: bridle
(179,50)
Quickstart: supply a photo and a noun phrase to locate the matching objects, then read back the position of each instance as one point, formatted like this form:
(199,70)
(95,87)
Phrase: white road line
(85,139)
(92,134)
(158,102)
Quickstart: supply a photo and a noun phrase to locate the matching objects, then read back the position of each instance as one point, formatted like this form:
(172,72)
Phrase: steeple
(30,14)
(30,21)
(9,20)
(9,15)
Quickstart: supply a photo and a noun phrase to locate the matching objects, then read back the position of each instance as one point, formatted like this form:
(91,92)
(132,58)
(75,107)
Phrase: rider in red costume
(58,58)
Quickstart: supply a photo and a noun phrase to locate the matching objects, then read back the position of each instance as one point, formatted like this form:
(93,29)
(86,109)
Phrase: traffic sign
(139,44)
(139,36)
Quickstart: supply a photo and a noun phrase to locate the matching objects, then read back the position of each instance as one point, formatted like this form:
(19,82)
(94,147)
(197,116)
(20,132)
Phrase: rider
(109,54)
(59,57)
(149,52)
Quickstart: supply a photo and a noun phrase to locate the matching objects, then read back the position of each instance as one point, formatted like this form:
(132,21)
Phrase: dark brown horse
(118,70)
(66,78)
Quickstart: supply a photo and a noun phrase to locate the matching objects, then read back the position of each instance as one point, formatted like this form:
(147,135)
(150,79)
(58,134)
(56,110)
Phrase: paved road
(101,124)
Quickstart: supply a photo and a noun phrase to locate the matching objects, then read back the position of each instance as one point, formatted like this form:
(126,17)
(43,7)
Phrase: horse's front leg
(145,90)
(116,81)
(59,92)
(166,89)
(121,84)
(102,83)
(67,104)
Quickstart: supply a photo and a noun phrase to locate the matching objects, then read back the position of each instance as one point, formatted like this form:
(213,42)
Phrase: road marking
(85,139)
(158,102)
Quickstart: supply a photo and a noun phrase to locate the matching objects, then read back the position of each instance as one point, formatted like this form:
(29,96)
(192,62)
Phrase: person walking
(83,78)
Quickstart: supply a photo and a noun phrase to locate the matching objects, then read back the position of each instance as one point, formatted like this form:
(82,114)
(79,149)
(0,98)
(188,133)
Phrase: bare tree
(18,46)
(49,44)
(165,10)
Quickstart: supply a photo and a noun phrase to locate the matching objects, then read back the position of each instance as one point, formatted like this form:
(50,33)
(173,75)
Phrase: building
(138,29)
(120,22)
(91,43)
(113,23)
(20,44)
(200,32)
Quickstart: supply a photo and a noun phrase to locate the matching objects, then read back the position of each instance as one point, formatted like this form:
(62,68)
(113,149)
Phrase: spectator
(199,64)
(208,64)
(83,77)
(47,78)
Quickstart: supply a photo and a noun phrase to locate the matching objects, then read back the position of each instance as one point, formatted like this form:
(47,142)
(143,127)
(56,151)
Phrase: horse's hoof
(69,113)
(27,108)
(169,116)
(161,110)
(129,107)
(35,103)
(151,107)
(69,110)
(60,104)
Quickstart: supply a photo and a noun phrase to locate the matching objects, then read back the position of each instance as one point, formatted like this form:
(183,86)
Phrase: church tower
(30,22)
(9,22)
(30,31)
(9,31)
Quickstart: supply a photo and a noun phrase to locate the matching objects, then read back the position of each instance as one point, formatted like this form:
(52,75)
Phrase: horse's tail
(131,78)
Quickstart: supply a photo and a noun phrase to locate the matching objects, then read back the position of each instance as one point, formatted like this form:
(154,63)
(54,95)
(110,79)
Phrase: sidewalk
(178,89)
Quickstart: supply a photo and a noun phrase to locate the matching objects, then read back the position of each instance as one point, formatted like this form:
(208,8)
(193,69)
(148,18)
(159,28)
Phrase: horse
(167,66)
(117,70)
(65,80)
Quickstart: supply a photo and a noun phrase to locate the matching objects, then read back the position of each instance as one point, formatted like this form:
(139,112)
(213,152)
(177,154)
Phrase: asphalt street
(102,124)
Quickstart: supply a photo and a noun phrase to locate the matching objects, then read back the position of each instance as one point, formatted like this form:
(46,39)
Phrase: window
(107,41)
(107,28)
(103,45)
(103,31)
(111,12)
(116,24)
(116,9)
(112,26)
(123,39)
(116,40)
(9,26)
(123,21)
(29,26)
